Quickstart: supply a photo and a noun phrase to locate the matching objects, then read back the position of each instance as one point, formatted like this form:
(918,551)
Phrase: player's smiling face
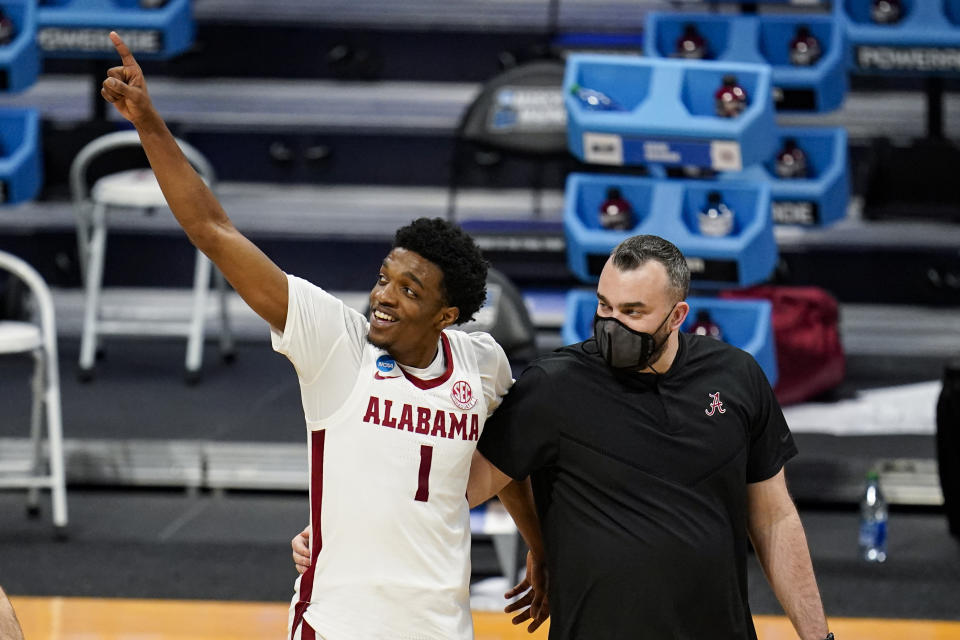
(407,308)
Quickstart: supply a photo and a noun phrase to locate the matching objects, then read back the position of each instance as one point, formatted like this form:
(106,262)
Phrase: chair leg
(83,237)
(36,435)
(506,546)
(94,282)
(201,287)
(58,483)
(227,350)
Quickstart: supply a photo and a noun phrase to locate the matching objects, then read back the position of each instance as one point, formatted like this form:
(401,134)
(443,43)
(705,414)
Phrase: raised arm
(777,535)
(259,281)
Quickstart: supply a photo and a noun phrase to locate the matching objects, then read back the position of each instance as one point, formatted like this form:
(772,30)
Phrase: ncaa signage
(521,110)
(386,364)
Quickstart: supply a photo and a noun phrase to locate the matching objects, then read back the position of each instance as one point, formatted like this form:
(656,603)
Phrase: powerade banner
(921,59)
(96,39)
(800,212)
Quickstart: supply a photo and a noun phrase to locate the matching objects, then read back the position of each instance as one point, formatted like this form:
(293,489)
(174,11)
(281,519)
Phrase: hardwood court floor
(114,619)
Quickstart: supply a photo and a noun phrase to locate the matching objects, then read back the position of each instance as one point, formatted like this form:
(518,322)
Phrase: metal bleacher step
(336,234)
(474,14)
(267,104)
(226,104)
(462,14)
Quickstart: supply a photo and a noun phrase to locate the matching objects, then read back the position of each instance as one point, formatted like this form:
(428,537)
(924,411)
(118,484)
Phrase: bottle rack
(20,60)
(764,39)
(669,116)
(746,324)
(20,163)
(925,41)
(668,208)
(80,28)
(816,201)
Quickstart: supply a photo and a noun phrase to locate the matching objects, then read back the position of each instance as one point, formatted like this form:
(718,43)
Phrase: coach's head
(433,277)
(640,304)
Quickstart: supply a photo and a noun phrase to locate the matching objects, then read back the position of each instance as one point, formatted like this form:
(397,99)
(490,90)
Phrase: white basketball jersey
(389,515)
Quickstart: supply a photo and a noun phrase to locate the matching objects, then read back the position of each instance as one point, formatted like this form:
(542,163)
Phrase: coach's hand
(301,550)
(125,87)
(534,605)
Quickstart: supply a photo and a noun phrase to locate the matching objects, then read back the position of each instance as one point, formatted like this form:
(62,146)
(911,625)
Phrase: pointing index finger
(125,56)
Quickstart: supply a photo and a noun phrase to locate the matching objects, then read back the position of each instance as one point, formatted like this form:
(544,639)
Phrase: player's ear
(446,317)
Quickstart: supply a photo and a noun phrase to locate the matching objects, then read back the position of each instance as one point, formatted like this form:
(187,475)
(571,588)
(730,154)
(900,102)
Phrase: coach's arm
(486,480)
(778,537)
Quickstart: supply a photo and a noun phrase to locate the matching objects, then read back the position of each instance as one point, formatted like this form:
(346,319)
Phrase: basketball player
(394,405)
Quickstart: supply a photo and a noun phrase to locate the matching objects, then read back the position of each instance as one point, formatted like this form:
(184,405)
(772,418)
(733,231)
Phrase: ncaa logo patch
(386,364)
(462,395)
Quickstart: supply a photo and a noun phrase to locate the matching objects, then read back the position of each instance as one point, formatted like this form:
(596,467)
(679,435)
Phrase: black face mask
(622,347)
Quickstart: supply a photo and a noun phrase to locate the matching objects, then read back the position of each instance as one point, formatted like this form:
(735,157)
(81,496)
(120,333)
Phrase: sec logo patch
(462,395)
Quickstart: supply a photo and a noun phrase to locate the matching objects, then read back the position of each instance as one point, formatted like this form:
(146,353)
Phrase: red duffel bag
(807,336)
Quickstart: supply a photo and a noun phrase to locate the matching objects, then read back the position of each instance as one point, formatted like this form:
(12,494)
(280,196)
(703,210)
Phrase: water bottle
(730,99)
(873,521)
(705,326)
(690,45)
(595,100)
(7,30)
(716,218)
(616,214)
(804,48)
(886,11)
(791,161)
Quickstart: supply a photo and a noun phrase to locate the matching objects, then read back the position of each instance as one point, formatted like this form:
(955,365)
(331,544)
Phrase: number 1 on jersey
(423,480)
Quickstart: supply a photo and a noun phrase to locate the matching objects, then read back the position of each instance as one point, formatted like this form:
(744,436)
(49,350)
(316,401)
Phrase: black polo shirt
(640,482)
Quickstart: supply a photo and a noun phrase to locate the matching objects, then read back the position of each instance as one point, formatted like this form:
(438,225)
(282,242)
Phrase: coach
(654,454)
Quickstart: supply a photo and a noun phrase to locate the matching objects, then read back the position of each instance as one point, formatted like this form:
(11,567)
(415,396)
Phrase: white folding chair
(135,189)
(40,340)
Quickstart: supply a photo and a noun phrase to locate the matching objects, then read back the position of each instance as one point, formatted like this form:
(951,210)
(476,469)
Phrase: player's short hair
(458,257)
(636,251)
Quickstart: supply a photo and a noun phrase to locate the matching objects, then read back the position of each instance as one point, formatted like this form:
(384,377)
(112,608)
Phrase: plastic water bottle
(595,100)
(716,218)
(791,161)
(7,30)
(616,214)
(873,521)
(705,326)
(804,48)
(730,99)
(886,11)
(690,45)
